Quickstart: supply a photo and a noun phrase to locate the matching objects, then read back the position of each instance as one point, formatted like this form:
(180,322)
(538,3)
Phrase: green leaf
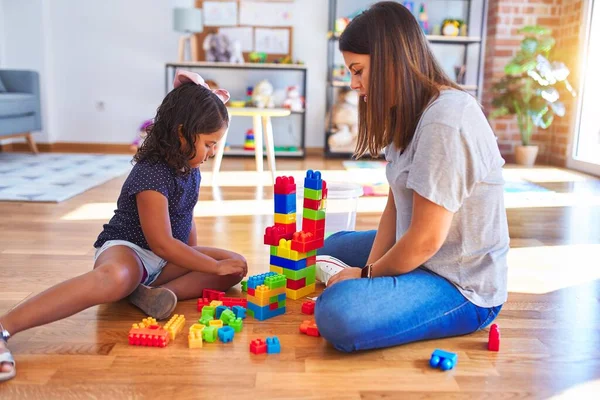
(500,112)
(535,30)
(529,45)
(546,44)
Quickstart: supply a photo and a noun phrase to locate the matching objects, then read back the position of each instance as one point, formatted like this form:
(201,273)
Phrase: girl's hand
(232,266)
(345,274)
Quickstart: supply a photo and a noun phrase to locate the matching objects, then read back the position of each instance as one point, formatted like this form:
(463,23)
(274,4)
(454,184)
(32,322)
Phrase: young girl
(436,266)
(148,250)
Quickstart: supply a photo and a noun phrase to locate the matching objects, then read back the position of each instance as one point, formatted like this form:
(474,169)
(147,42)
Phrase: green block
(227,316)
(205,320)
(208,311)
(275,281)
(209,334)
(311,253)
(310,279)
(301,273)
(244,286)
(312,214)
(273,250)
(273,300)
(312,194)
(237,325)
(282,303)
(250,313)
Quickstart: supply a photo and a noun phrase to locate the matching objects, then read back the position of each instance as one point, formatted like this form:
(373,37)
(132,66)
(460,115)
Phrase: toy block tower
(296,258)
(266,295)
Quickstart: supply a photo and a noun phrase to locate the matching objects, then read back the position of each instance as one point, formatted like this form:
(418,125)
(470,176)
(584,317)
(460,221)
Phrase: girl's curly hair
(188,110)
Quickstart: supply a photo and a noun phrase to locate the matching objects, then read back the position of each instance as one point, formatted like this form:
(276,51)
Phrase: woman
(436,266)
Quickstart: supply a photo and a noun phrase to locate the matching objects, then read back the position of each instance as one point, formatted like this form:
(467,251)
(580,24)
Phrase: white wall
(102,62)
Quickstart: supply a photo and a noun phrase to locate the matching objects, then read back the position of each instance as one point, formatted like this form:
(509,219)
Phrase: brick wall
(505,18)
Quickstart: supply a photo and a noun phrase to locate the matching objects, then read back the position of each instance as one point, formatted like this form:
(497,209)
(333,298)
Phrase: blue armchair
(20,111)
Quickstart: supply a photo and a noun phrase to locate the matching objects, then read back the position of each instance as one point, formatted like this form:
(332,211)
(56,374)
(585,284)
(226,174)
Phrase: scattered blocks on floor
(258,346)
(213,294)
(208,311)
(219,310)
(175,325)
(217,323)
(148,333)
(202,302)
(237,325)
(308,307)
(273,345)
(239,311)
(309,327)
(244,286)
(226,334)
(442,359)
(205,320)
(227,316)
(195,336)
(209,334)
(494,338)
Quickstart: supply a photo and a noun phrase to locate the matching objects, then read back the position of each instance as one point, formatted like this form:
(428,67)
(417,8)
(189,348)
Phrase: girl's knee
(117,277)
(337,324)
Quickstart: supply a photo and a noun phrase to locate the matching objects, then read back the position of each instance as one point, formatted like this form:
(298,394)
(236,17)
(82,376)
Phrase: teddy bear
(294,101)
(262,95)
(344,121)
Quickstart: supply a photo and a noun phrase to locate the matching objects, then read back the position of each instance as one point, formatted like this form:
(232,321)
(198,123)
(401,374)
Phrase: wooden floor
(550,326)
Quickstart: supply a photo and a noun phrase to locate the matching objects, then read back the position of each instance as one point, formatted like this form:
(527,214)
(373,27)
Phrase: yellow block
(264,293)
(216,303)
(276,269)
(175,325)
(217,323)
(297,294)
(195,336)
(284,250)
(262,298)
(285,218)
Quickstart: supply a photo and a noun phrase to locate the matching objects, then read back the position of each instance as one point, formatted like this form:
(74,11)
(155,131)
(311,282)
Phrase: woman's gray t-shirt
(454,161)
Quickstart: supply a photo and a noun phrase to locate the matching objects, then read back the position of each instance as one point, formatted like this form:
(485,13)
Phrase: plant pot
(526,155)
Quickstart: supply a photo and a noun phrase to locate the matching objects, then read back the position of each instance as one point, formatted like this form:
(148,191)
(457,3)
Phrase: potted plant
(531,89)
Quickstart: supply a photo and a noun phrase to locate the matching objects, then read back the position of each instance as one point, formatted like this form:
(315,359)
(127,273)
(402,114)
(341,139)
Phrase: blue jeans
(362,314)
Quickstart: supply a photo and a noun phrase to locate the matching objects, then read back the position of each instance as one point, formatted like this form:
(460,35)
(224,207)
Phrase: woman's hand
(232,266)
(345,274)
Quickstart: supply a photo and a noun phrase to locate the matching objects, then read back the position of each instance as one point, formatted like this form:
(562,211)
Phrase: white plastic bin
(342,204)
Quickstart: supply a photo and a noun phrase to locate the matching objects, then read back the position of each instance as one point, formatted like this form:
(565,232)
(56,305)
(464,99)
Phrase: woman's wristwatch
(366,271)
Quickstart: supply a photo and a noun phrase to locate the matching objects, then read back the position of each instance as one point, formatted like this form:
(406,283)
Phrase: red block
(258,346)
(274,234)
(312,204)
(231,301)
(203,302)
(285,185)
(494,338)
(295,285)
(290,229)
(212,294)
(324,190)
(310,225)
(305,241)
(310,328)
(311,261)
(313,331)
(308,307)
(151,336)
(251,292)
(273,306)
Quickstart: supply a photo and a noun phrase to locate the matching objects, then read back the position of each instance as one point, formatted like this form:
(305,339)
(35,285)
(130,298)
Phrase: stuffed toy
(217,48)
(262,95)
(344,122)
(294,101)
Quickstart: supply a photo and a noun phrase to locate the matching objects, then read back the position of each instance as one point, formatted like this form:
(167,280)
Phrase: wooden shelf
(250,153)
(206,64)
(251,111)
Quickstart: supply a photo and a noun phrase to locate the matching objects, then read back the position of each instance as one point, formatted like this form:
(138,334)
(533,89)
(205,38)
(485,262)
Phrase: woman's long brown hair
(404,75)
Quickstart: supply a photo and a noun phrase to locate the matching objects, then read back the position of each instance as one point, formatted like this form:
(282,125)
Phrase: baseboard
(67,147)
(315,151)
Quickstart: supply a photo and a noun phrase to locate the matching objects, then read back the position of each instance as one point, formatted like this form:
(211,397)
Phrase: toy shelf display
(456,33)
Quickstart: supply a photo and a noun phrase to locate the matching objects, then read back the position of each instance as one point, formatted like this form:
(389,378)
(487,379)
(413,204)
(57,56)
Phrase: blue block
(219,310)
(313,180)
(443,359)
(263,313)
(258,280)
(240,312)
(226,334)
(281,297)
(285,203)
(273,345)
(288,264)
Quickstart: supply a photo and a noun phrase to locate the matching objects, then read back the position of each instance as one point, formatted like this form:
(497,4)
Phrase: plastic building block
(219,310)
(313,226)
(217,323)
(148,335)
(277,232)
(494,338)
(264,313)
(273,299)
(232,302)
(195,336)
(239,311)
(311,279)
(226,334)
(313,180)
(216,303)
(285,219)
(308,307)
(258,346)
(285,203)
(284,250)
(310,328)
(315,215)
(273,250)
(208,311)
(288,264)
(175,325)
(205,320)
(310,261)
(276,269)
(227,316)
(244,287)
(295,285)
(324,190)
(273,345)
(251,292)
(289,229)
(273,306)
(281,303)
(281,297)
(312,194)
(202,302)
(284,185)
(209,334)
(257,280)
(307,272)
(300,293)
(212,294)
(442,359)
(275,281)
(237,325)
(305,242)
(312,204)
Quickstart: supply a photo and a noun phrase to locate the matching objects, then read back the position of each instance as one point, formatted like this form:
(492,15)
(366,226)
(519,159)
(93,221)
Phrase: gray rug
(54,177)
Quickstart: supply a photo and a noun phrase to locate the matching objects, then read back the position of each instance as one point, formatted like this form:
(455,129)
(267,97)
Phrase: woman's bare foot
(7,368)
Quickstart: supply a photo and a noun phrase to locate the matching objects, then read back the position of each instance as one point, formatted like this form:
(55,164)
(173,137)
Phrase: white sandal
(6,357)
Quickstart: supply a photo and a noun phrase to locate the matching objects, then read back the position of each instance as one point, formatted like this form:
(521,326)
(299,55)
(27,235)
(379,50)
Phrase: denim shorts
(152,263)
